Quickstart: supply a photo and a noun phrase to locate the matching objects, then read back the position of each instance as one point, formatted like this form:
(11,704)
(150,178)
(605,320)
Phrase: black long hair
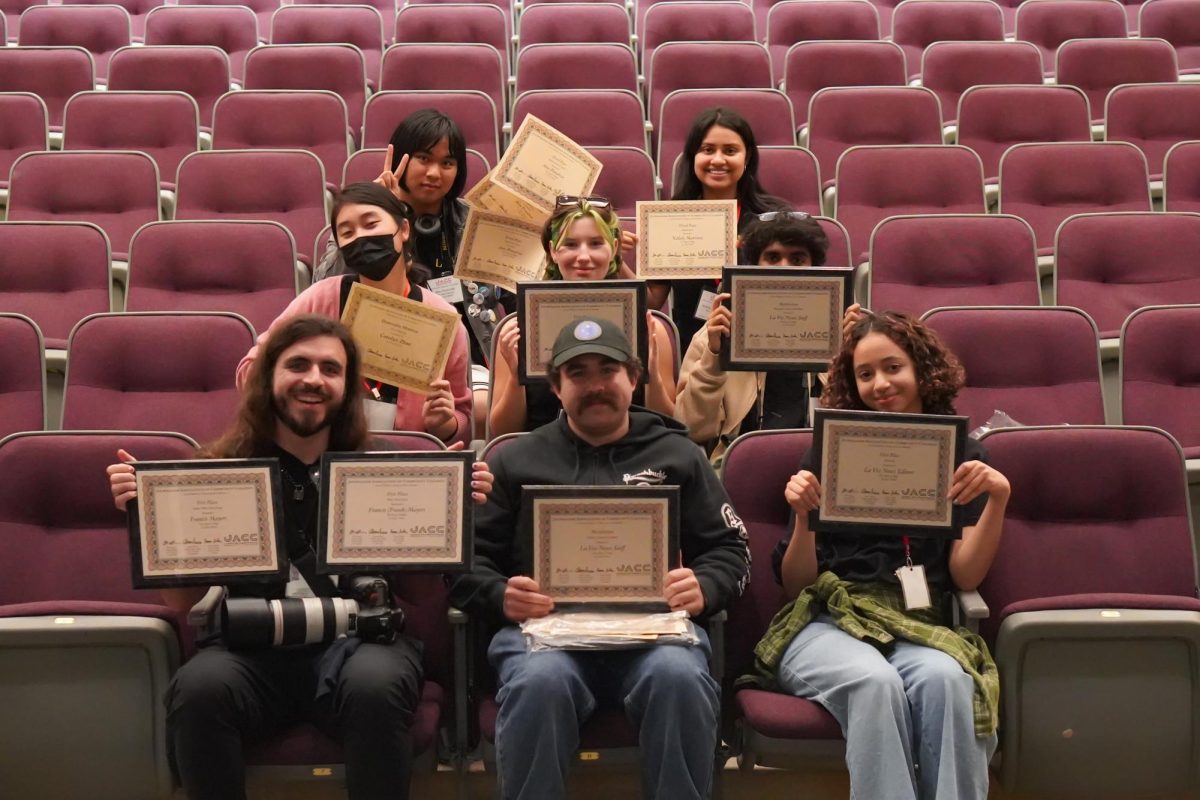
(422,130)
(750,194)
(372,194)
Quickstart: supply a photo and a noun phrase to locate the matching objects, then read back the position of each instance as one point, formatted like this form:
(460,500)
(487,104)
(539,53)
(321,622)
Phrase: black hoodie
(655,451)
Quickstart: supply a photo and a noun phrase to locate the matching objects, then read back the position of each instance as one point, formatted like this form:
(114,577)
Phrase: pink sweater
(323,298)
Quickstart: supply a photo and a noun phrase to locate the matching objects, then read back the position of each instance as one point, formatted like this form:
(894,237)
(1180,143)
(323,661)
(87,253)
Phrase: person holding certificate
(373,231)
(718,406)
(582,243)
(719,162)
(302,398)
(666,691)
(865,635)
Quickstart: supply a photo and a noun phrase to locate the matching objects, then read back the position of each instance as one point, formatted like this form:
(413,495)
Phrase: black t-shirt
(866,558)
(784,403)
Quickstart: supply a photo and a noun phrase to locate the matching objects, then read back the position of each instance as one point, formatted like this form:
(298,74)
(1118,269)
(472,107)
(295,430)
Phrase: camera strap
(321,585)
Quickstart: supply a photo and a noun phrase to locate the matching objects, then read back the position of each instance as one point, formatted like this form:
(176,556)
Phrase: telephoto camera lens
(252,622)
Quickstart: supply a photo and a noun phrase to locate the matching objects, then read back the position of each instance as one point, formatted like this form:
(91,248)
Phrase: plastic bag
(997,420)
(608,630)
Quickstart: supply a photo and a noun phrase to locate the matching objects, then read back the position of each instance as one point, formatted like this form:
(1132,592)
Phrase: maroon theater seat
(951,68)
(23,129)
(22,375)
(916,24)
(1177,21)
(55,74)
(358,25)
(793,21)
(234,29)
(447,68)
(1159,378)
(814,65)
(1098,65)
(100,29)
(623,123)
(1154,117)
(627,177)
(1049,23)
(744,65)
(574,23)
(199,71)
(474,113)
(1181,177)
(707,21)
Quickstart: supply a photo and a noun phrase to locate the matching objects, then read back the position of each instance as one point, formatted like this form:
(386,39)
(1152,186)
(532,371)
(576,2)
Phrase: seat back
(138,9)
(922,262)
(1153,116)
(247,268)
(99,29)
(55,74)
(386,9)
(627,177)
(1041,366)
(286,186)
(473,111)
(838,252)
(119,375)
(23,129)
(916,24)
(1181,177)
(163,125)
(446,67)
(810,66)
(572,22)
(199,71)
(1049,23)
(358,25)
(1177,21)
(622,124)
(744,65)
(706,21)
(576,66)
(232,28)
(284,120)
(54,272)
(1159,378)
(1098,65)
(12,15)
(1046,183)
(791,173)
(455,23)
(337,68)
(263,9)
(992,119)
(1109,265)
(950,68)
(22,375)
(120,194)
(794,21)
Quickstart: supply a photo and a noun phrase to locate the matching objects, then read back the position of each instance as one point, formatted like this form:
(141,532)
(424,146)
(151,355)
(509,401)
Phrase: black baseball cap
(586,335)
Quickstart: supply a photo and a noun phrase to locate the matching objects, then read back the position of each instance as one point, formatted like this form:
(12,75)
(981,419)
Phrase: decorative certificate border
(504,278)
(152,568)
(836,283)
(541,505)
(628,297)
(503,176)
(449,475)
(837,514)
(724,213)
(415,381)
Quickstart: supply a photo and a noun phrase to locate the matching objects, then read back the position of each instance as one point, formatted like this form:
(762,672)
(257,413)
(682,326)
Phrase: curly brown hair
(939,373)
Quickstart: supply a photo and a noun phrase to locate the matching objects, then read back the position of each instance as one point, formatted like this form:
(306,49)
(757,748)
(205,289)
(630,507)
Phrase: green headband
(558,232)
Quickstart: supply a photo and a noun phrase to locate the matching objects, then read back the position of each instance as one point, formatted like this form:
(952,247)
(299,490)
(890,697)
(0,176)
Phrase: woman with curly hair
(905,689)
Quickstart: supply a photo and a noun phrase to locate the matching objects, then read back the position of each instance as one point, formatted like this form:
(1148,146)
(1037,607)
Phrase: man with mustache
(666,691)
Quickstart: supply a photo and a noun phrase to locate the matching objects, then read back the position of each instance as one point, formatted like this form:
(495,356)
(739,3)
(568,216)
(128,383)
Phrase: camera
(367,613)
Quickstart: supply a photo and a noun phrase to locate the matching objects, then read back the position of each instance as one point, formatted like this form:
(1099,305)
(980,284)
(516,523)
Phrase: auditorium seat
(22,374)
(23,129)
(358,25)
(1098,65)
(814,65)
(626,178)
(697,21)
(791,173)
(263,9)
(455,23)
(623,123)
(1177,21)
(794,21)
(1049,23)
(576,66)
(574,23)
(12,15)
(744,65)
(54,74)
(446,67)
(1159,374)
(138,9)
(1154,117)
(473,112)
(951,68)
(386,9)
(234,29)
(336,68)
(101,30)
(838,252)
(1041,366)
(200,71)
(916,24)
(1181,177)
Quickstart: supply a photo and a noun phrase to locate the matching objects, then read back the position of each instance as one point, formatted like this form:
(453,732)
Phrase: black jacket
(655,451)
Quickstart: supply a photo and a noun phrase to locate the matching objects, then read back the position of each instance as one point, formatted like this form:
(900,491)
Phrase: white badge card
(381,416)
(914,586)
(705,306)
(448,288)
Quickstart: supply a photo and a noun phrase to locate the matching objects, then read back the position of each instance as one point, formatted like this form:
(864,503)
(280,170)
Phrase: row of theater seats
(1090,608)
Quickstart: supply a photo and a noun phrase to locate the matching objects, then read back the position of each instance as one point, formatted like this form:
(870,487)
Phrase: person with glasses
(582,241)
(718,406)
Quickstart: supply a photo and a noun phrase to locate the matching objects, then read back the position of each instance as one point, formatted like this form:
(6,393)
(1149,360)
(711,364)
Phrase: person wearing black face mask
(373,232)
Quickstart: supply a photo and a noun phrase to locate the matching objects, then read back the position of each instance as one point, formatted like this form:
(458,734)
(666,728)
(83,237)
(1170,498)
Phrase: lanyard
(907,553)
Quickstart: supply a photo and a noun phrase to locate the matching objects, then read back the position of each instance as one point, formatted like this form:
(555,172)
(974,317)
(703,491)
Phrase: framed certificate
(686,238)
(884,472)
(785,318)
(402,342)
(603,545)
(545,307)
(542,163)
(206,522)
(384,512)
(487,195)
(500,250)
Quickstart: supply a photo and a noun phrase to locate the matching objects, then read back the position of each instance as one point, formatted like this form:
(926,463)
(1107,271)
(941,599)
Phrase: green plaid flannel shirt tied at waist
(875,613)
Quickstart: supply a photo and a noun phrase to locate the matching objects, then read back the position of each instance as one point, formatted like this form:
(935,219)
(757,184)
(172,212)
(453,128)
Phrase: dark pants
(219,699)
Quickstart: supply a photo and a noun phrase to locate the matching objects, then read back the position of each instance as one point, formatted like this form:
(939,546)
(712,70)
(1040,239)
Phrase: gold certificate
(603,544)
(542,163)
(686,238)
(884,472)
(403,342)
(388,511)
(489,196)
(784,318)
(206,522)
(544,308)
(499,250)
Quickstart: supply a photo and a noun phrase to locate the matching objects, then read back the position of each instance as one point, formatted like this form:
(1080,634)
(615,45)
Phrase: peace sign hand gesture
(390,179)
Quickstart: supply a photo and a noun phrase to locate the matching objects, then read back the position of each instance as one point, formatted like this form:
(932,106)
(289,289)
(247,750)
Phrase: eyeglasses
(770,216)
(567,200)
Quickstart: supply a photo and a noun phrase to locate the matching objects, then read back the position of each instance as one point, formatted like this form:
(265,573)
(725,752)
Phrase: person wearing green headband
(582,240)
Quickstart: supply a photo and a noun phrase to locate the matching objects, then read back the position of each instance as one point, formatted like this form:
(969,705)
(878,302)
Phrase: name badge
(705,306)
(914,586)
(381,416)
(448,288)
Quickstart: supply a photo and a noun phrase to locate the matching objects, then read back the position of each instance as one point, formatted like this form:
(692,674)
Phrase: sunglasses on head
(770,216)
(567,200)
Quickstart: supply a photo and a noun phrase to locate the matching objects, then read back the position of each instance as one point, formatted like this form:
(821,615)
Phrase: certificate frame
(152,564)
(657,506)
(505,174)
(489,271)
(835,287)
(455,551)
(624,302)
(879,511)
(710,266)
(418,379)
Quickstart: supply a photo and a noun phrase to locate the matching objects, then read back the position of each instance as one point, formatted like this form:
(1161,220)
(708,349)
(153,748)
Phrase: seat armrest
(201,614)
(969,608)
(463,704)
(456,617)
(715,625)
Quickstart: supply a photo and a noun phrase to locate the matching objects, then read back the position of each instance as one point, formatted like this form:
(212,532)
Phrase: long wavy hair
(750,195)
(253,431)
(559,225)
(368,193)
(939,373)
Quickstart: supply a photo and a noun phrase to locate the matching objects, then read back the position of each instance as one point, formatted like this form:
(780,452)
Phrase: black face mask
(371,256)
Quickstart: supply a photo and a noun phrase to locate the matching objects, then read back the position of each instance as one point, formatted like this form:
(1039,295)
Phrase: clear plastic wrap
(997,420)
(608,630)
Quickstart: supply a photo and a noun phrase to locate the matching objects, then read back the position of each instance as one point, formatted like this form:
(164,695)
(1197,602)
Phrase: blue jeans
(912,705)
(544,698)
